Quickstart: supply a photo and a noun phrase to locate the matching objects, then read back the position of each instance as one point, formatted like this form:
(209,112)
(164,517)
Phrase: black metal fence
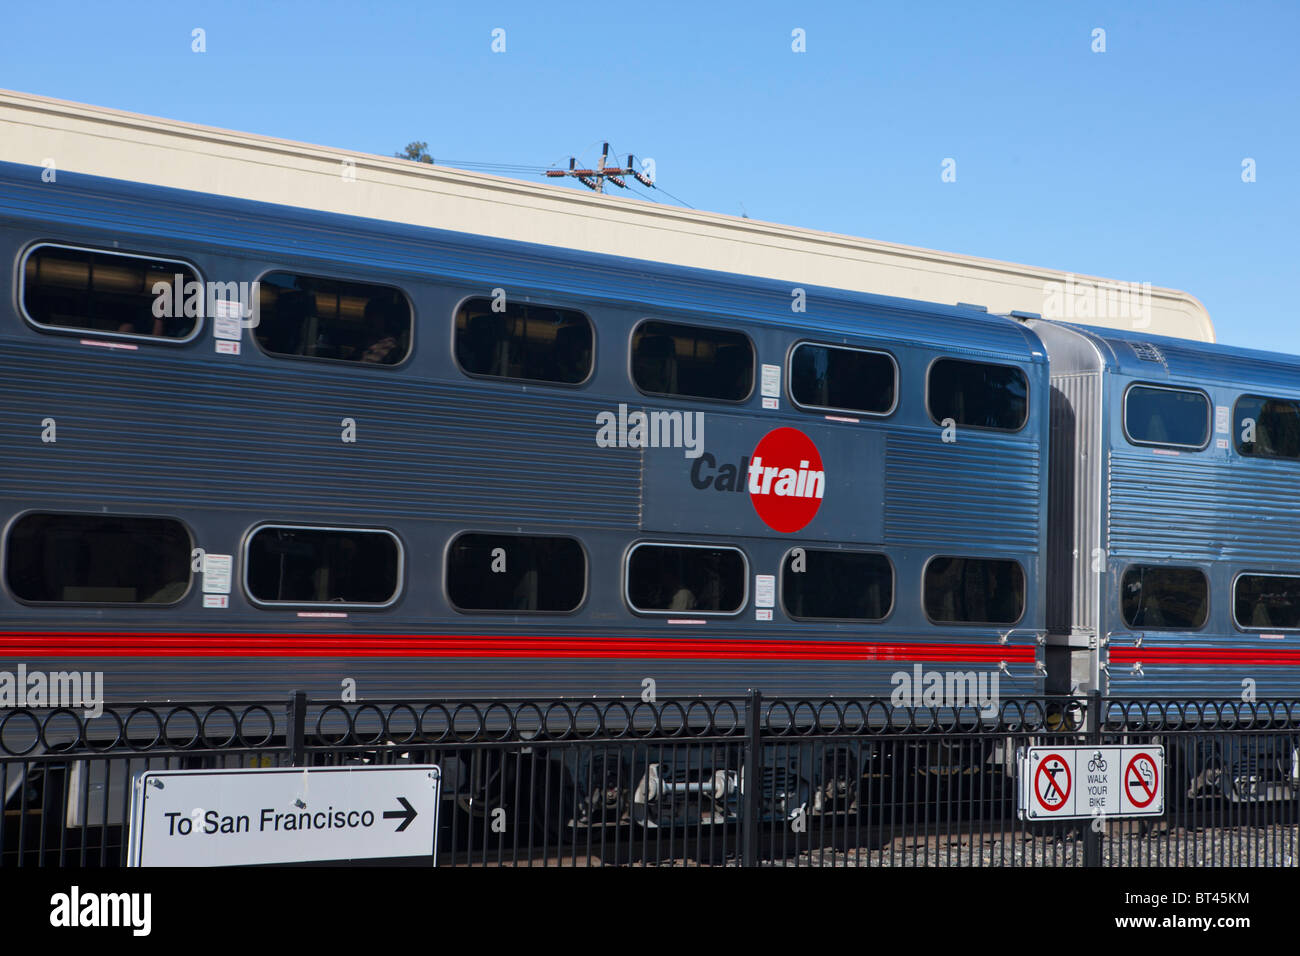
(691,782)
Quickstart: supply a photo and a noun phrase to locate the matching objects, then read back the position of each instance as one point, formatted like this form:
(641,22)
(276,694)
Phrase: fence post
(296,737)
(752,777)
(1092,835)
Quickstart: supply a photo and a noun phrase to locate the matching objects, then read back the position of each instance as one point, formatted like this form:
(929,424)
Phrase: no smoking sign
(1142,780)
(1072,783)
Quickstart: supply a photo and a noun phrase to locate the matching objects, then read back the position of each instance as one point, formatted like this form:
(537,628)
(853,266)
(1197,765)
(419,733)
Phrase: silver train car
(1174,537)
(249,449)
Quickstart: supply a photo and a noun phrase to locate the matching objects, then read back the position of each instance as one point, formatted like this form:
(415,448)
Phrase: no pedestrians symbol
(1141,780)
(1052,782)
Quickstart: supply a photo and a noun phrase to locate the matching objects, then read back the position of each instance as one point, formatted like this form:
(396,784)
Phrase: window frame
(627,579)
(21,287)
(1236,433)
(1024,577)
(680,396)
(893,588)
(1209,597)
(349,363)
(1187,389)
(446,567)
(482,377)
(970,360)
(252,532)
(1251,629)
(789,379)
(13,521)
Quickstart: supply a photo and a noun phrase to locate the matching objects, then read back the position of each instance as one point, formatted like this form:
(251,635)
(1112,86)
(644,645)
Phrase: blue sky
(1125,164)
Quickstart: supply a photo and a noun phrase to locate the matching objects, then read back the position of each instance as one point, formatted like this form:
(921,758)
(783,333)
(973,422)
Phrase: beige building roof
(129,146)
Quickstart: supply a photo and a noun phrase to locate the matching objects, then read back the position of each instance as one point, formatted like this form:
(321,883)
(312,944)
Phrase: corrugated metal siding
(1198,508)
(990,497)
(424,449)
(1073,523)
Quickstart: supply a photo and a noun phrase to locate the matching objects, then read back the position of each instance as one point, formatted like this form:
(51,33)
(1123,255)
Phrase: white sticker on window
(771,381)
(1221,419)
(216,573)
(765,590)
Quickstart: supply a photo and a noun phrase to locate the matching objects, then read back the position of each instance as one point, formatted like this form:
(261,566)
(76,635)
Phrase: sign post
(290,815)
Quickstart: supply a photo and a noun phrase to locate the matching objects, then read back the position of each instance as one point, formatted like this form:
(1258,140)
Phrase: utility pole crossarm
(594,179)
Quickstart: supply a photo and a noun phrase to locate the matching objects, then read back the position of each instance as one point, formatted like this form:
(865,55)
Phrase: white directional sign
(1071,783)
(243,817)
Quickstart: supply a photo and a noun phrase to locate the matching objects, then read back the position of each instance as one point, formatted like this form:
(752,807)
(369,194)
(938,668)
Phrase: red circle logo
(786,480)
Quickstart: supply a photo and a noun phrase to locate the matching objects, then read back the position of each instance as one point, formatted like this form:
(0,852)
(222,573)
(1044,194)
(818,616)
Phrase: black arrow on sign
(406,816)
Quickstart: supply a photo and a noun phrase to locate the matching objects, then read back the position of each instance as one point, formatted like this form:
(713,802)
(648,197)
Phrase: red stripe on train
(87,644)
(1206,656)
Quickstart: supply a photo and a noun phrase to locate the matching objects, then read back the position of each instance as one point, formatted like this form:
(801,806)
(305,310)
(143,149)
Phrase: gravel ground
(1271,846)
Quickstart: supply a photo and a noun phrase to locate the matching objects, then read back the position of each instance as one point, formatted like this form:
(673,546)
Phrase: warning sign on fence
(1053,783)
(1070,783)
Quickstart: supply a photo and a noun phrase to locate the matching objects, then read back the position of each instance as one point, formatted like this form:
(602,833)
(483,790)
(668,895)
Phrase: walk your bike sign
(1072,783)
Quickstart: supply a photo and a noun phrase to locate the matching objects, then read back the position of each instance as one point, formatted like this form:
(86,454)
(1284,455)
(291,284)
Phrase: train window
(516,573)
(98,559)
(974,591)
(1166,416)
(531,342)
(313,317)
(837,585)
(108,293)
(1267,600)
(978,394)
(336,566)
(1156,596)
(1268,427)
(686,578)
(843,379)
(671,359)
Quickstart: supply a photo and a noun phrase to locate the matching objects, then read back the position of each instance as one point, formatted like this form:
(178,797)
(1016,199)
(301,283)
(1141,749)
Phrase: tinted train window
(323,566)
(332,319)
(525,341)
(107,293)
(838,585)
(1268,427)
(974,591)
(1167,416)
(1154,596)
(842,379)
(678,578)
(978,394)
(685,360)
(98,559)
(1267,600)
(509,572)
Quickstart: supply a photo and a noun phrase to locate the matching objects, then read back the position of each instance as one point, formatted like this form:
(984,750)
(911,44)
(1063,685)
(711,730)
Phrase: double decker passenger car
(252,448)
(1175,537)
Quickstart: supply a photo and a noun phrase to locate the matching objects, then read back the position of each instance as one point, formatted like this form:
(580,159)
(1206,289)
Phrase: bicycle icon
(1097,764)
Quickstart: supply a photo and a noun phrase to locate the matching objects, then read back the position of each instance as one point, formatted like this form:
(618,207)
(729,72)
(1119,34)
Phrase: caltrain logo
(784,478)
